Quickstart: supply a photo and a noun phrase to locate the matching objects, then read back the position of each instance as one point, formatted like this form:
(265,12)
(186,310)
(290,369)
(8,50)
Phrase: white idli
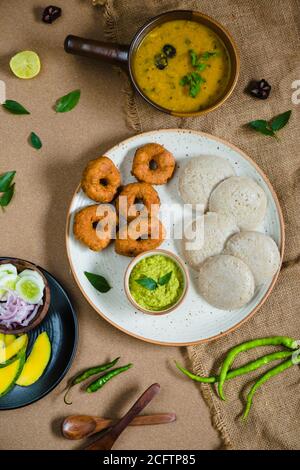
(200,176)
(226,282)
(242,198)
(209,233)
(258,251)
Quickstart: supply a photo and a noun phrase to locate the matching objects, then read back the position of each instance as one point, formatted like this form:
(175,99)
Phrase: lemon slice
(25,64)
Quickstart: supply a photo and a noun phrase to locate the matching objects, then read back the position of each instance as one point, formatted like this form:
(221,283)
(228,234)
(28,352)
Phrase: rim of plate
(282,241)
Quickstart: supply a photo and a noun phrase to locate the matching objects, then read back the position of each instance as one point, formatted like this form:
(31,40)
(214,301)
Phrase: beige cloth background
(267,33)
(33,228)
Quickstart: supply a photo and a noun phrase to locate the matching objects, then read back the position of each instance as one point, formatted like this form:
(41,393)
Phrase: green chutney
(155,267)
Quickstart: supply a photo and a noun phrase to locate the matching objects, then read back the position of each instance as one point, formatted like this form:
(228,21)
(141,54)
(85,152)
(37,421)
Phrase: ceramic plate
(61,325)
(195,321)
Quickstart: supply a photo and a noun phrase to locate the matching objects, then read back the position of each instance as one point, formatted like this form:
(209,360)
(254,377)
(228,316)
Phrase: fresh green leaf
(7,196)
(147,282)
(184,81)
(201,66)
(194,57)
(165,279)
(14,107)
(262,126)
(68,102)
(207,55)
(35,141)
(6,180)
(194,81)
(280,121)
(97,281)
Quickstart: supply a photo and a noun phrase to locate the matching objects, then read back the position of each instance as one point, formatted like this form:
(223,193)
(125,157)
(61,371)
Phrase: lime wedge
(25,64)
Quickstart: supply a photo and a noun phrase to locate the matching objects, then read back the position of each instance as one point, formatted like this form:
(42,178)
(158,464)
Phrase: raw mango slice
(10,373)
(8,352)
(29,289)
(36,362)
(8,339)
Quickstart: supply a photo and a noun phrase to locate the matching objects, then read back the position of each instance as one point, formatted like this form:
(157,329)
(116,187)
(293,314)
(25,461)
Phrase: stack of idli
(233,259)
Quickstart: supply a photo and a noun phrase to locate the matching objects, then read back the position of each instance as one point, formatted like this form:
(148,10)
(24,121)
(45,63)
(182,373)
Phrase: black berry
(260,89)
(51,13)
(169,51)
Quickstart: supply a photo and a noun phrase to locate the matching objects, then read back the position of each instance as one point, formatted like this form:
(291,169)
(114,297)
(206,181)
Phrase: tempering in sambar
(182,66)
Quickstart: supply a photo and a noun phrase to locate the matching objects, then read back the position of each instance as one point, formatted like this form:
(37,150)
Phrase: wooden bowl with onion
(43,309)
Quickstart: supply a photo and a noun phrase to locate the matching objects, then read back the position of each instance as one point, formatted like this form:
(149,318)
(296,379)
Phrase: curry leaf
(165,279)
(147,282)
(280,121)
(6,180)
(7,196)
(35,141)
(97,281)
(67,102)
(194,57)
(262,126)
(14,107)
(206,55)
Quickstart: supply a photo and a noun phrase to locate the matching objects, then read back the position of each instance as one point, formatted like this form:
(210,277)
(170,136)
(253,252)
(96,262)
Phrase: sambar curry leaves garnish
(98,282)
(150,284)
(193,79)
(270,128)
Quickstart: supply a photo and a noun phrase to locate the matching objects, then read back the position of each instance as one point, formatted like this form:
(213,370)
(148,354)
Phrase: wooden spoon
(80,426)
(108,439)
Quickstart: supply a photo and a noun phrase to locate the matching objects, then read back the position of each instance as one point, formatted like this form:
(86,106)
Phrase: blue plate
(61,325)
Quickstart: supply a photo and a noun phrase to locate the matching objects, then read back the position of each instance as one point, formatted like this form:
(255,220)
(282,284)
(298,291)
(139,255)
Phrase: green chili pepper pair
(226,374)
(98,383)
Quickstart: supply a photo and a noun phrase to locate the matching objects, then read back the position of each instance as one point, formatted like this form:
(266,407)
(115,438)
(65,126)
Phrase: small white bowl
(181,266)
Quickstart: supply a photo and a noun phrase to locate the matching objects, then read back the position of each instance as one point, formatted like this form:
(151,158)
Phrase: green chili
(88,373)
(268,375)
(101,381)
(249,367)
(272,341)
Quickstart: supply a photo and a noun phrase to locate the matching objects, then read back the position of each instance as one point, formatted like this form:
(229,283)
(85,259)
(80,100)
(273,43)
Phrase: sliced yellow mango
(36,362)
(8,339)
(13,348)
(2,343)
(9,374)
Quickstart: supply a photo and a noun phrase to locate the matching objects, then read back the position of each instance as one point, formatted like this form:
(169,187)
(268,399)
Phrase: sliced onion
(16,312)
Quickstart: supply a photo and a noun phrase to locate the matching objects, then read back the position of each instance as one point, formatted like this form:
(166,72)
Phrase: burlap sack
(267,33)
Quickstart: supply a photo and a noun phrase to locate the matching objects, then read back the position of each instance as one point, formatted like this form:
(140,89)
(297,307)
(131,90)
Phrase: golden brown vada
(141,234)
(135,198)
(95,225)
(101,180)
(153,164)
